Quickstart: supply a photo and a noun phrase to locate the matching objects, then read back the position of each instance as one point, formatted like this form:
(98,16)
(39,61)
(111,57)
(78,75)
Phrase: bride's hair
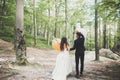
(63,43)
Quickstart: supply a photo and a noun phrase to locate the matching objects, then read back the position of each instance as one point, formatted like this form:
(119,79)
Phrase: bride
(63,64)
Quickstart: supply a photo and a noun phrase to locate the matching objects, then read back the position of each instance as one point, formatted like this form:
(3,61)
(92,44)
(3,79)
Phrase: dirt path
(43,62)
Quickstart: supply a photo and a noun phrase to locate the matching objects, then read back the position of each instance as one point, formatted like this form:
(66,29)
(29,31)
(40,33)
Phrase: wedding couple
(63,63)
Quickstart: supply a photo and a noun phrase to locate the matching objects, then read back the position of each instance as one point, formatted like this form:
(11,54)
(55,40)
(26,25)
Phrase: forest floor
(43,62)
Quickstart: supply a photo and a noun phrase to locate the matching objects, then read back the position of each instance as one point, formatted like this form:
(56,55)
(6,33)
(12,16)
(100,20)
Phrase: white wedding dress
(63,66)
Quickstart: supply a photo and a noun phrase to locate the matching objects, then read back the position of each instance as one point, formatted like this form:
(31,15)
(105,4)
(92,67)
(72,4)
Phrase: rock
(109,54)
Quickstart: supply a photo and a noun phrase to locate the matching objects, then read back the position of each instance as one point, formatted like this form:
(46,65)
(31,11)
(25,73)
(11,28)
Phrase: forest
(35,23)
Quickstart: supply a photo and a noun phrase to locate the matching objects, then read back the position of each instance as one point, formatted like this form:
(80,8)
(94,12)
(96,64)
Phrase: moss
(21,63)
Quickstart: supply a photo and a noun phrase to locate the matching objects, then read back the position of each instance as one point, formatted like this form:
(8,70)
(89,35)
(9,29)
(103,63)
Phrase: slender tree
(48,29)
(34,23)
(100,38)
(3,12)
(66,19)
(56,14)
(45,31)
(104,36)
(110,38)
(96,34)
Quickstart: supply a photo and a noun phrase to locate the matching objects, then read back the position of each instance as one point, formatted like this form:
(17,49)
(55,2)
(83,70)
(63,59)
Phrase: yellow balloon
(56,44)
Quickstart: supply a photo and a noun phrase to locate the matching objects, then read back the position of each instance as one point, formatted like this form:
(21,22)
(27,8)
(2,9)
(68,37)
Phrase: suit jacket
(79,45)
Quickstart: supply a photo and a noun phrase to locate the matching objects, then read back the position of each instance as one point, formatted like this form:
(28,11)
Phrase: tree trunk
(20,45)
(100,37)
(110,39)
(48,33)
(96,34)
(104,36)
(41,28)
(73,33)
(59,32)
(90,38)
(66,20)
(34,23)
(3,14)
(45,32)
(115,36)
(56,15)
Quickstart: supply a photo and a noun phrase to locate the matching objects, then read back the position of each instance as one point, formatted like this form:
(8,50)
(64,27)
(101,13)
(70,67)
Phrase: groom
(79,53)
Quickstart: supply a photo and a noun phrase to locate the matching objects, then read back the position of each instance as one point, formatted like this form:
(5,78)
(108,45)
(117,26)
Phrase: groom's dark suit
(79,53)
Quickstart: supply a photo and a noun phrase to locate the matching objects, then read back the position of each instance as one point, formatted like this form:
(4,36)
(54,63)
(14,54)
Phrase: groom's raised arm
(74,46)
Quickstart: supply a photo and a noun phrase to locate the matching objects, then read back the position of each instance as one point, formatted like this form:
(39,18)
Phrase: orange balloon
(56,44)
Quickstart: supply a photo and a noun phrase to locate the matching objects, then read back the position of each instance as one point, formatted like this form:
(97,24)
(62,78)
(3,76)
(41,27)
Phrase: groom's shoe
(81,74)
(77,76)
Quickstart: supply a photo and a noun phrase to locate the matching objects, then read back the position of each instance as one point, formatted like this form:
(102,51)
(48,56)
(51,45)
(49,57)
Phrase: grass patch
(41,43)
(7,34)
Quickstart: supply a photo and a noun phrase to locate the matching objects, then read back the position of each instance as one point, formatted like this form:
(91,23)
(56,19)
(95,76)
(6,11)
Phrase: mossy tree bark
(20,45)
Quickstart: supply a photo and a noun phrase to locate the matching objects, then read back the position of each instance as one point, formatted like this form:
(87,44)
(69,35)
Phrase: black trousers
(79,56)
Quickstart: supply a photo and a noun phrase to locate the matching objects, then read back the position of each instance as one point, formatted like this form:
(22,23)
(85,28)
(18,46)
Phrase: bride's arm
(68,48)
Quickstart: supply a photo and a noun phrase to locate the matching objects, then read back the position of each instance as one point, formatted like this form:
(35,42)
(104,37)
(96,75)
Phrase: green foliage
(7,34)
(80,12)
(9,12)
(41,43)
(108,9)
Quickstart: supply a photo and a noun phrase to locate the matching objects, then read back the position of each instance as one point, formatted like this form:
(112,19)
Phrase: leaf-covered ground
(43,62)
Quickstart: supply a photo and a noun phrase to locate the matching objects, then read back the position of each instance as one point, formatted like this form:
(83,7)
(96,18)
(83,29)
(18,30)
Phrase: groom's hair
(78,33)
